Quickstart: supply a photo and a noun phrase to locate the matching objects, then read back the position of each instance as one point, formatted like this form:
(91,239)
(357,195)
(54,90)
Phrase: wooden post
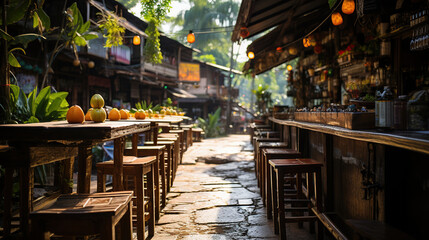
(118,159)
(84,168)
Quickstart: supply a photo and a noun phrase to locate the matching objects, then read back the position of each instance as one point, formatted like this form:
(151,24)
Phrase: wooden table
(56,136)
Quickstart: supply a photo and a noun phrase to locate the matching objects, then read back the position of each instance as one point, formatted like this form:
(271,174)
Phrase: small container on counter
(400,113)
(384,109)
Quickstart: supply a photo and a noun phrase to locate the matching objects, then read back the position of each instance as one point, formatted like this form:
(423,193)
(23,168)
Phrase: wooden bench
(85,214)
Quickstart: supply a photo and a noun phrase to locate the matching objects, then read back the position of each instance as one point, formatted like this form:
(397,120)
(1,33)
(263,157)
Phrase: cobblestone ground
(215,196)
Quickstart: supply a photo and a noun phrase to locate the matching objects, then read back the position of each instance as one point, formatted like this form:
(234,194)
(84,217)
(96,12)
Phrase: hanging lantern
(318,48)
(244,33)
(289,67)
(336,18)
(191,37)
(251,55)
(306,42)
(312,41)
(293,51)
(348,6)
(91,64)
(279,49)
(136,40)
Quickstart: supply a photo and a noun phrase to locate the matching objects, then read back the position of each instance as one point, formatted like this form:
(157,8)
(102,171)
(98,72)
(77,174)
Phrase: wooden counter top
(412,140)
(61,130)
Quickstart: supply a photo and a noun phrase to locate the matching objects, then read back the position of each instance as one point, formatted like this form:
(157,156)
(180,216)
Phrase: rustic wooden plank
(61,130)
(413,140)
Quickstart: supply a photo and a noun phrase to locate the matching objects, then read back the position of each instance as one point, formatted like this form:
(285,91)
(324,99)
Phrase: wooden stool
(165,127)
(159,174)
(182,142)
(168,161)
(310,167)
(253,129)
(269,154)
(136,168)
(261,144)
(197,134)
(85,214)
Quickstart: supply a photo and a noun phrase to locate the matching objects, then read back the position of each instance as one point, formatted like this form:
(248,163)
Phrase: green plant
(263,98)
(211,126)
(114,31)
(42,107)
(143,105)
(168,102)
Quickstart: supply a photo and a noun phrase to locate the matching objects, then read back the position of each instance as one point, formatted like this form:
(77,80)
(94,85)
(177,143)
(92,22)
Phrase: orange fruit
(124,114)
(140,114)
(98,115)
(114,115)
(75,115)
(97,101)
(88,115)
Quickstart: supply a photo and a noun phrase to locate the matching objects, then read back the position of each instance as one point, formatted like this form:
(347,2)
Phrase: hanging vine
(154,11)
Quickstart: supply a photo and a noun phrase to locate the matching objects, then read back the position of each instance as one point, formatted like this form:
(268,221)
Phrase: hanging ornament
(348,6)
(306,42)
(336,18)
(293,51)
(244,32)
(279,49)
(191,37)
(289,67)
(136,40)
(251,55)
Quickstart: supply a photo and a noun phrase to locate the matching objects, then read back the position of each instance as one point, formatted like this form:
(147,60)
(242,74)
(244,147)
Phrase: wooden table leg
(26,193)
(118,159)
(7,215)
(151,208)
(140,206)
(84,168)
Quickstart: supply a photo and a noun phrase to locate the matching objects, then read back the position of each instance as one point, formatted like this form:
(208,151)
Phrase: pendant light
(136,40)
(348,6)
(251,55)
(191,37)
(336,18)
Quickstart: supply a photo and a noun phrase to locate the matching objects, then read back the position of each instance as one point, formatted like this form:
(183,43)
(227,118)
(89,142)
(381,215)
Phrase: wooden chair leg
(150,193)
(140,207)
(7,215)
(274,199)
(101,182)
(26,191)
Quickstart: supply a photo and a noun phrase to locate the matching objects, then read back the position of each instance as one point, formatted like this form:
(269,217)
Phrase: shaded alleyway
(215,196)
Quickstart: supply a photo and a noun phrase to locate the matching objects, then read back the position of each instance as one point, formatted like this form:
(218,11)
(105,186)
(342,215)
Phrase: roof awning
(180,93)
(295,20)
(122,21)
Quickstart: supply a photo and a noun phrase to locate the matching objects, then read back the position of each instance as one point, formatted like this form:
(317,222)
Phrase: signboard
(189,72)
(121,54)
(27,82)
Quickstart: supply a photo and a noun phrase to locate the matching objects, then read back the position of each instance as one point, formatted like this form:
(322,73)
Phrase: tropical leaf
(331,3)
(5,35)
(44,18)
(25,39)
(16,10)
(13,61)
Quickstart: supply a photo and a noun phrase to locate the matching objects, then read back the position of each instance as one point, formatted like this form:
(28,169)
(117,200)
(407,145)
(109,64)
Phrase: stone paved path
(215,196)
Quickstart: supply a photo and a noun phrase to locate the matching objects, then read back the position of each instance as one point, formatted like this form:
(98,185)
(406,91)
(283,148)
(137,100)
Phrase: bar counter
(412,140)
(367,175)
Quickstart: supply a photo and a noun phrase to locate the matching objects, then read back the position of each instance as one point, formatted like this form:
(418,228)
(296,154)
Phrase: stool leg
(7,215)
(310,192)
(140,207)
(299,195)
(280,201)
(38,230)
(268,190)
(150,194)
(158,187)
(101,181)
(169,157)
(163,185)
(274,199)
(318,197)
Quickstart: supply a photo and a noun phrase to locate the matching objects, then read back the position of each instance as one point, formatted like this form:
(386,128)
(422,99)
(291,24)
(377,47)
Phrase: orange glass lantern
(244,32)
(279,49)
(191,37)
(306,42)
(136,40)
(336,18)
(293,51)
(251,55)
(348,6)
(289,67)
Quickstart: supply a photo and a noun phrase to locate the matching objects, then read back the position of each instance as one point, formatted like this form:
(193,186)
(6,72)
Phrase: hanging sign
(189,72)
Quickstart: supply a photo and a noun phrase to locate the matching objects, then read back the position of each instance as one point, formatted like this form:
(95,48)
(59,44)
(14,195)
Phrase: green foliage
(154,11)
(152,49)
(128,3)
(263,98)
(143,105)
(43,107)
(168,102)
(114,31)
(76,28)
(15,11)
(211,126)
(332,3)
(206,58)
